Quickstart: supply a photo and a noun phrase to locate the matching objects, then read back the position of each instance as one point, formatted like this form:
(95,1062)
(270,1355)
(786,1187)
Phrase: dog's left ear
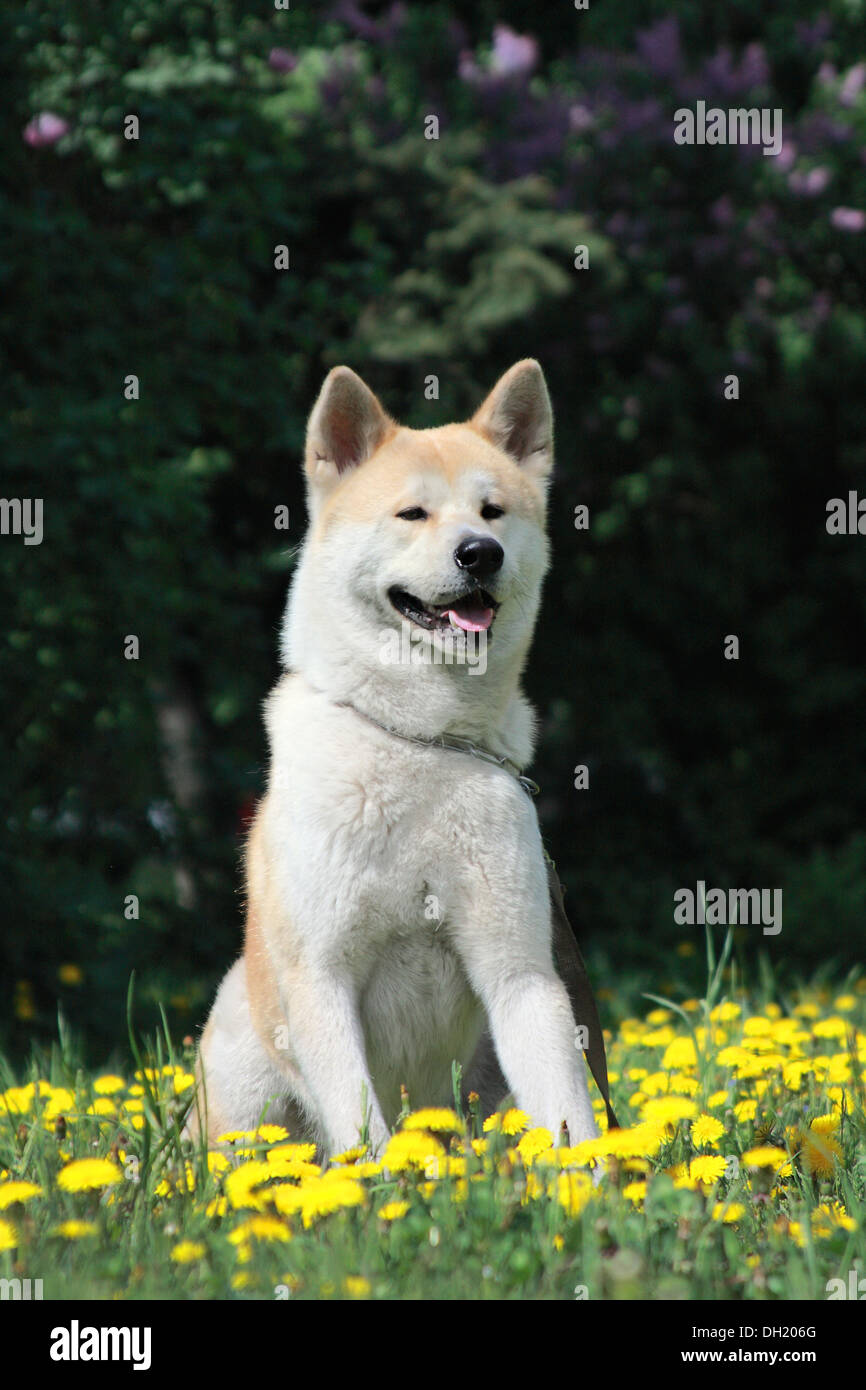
(518,418)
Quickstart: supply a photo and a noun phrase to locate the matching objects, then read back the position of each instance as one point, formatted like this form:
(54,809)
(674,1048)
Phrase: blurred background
(411,257)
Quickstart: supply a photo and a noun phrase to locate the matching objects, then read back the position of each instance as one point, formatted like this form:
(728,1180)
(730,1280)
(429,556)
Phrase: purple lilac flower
(281,60)
(810,182)
(513,54)
(852,85)
(848,219)
(659,47)
(811,35)
(45,129)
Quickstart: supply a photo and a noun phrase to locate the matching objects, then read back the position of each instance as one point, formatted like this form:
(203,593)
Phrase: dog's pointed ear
(518,418)
(347,424)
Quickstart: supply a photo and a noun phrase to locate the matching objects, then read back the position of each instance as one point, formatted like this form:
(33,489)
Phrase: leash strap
(572,969)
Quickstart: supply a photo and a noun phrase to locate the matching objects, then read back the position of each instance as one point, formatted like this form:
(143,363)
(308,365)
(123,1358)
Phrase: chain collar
(454,744)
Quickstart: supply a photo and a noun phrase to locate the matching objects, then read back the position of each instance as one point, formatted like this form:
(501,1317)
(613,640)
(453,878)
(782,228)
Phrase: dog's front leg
(327,1043)
(505,943)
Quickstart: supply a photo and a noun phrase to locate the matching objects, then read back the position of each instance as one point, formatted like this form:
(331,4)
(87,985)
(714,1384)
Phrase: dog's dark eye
(490,511)
(413,514)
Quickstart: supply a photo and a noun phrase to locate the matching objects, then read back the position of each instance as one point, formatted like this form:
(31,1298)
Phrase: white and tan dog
(351,984)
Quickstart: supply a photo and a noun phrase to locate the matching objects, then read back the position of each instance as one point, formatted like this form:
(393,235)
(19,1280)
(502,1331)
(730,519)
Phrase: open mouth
(473,612)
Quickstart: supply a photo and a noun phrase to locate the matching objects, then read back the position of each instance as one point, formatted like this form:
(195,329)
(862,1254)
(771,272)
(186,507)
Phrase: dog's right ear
(347,424)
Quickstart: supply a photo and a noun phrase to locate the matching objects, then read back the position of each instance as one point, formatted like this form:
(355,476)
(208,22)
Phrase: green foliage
(410,257)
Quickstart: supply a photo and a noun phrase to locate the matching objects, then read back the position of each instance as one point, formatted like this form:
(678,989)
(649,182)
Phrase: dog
(398,915)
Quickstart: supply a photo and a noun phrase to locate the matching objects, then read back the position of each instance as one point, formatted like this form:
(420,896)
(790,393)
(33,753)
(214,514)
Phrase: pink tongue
(471,619)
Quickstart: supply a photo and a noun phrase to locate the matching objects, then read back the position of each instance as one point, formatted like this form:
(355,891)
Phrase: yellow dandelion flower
(732,1056)
(371,1169)
(392,1211)
(657,1083)
(260,1228)
(102,1106)
(437,1119)
(845,1003)
(839,1068)
(558,1243)
(657,1016)
(186,1251)
(217,1206)
(293,1161)
(76,1230)
(243,1280)
(108,1085)
(794,1230)
(725,1012)
(70,974)
(534,1142)
(681,1178)
(452,1166)
(669,1110)
(349,1155)
(241,1185)
(178,1183)
(745,1110)
(636,1074)
(834,1027)
(686,949)
(270,1134)
(707,1168)
(834,1215)
(824,1124)
(680,1053)
(573,1191)
(356,1286)
(729,1212)
(659,1037)
(11,1192)
(84,1174)
(758,1024)
(182,1081)
(819,1154)
(639,1141)
(321,1196)
(635,1191)
(535,1188)
(8,1236)
(514,1121)
(18,1100)
(60,1102)
(684,1085)
(807,1009)
(793,1073)
(764,1156)
(217,1162)
(410,1149)
(581,1154)
(706,1130)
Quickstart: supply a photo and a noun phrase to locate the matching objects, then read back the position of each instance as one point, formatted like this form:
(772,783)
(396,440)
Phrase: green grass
(518,1220)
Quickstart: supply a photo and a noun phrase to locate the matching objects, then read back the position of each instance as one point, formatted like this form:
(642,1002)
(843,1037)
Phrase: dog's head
(439,529)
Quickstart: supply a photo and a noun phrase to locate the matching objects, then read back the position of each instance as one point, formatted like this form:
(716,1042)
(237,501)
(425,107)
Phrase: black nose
(480,555)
